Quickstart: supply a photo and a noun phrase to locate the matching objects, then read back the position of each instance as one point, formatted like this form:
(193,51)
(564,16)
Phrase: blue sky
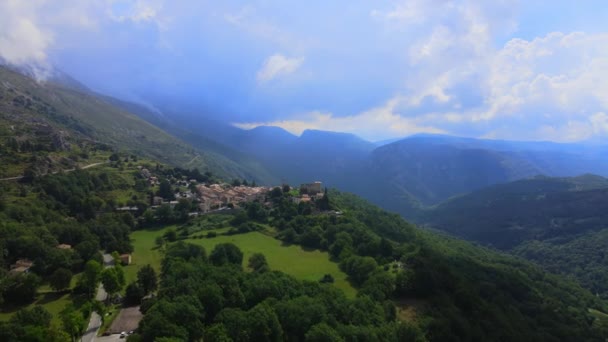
(526,70)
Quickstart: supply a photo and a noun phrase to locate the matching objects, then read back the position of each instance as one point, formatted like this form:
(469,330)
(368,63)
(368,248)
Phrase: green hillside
(558,223)
(539,208)
(55,126)
(449,289)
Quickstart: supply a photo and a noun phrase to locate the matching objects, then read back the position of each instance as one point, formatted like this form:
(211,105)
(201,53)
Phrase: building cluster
(217,196)
(309,192)
(152,180)
(220,196)
(21,266)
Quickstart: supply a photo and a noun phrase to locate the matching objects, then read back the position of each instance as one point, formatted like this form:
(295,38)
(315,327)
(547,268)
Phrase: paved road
(92,329)
(68,170)
(95,322)
(111,338)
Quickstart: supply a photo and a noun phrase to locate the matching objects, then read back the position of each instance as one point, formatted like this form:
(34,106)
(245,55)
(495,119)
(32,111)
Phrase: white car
(123,334)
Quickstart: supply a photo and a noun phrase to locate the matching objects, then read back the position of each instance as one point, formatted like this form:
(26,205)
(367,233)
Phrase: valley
(204,228)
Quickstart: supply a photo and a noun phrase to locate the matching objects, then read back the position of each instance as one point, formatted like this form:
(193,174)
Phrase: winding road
(95,322)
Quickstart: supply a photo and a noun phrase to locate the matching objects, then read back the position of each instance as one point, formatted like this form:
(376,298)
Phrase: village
(221,196)
(208,198)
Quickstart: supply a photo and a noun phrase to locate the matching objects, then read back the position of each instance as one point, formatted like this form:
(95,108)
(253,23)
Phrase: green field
(601,319)
(145,252)
(300,263)
(293,260)
(52,301)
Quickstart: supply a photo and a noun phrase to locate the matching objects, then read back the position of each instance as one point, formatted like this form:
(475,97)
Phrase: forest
(456,290)
(464,292)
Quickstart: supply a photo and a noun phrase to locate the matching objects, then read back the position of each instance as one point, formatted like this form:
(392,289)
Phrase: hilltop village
(209,197)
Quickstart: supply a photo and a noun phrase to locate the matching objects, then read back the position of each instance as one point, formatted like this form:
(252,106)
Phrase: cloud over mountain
(503,69)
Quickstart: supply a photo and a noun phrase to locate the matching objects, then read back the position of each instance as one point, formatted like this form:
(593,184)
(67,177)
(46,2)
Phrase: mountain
(405,175)
(222,144)
(539,208)
(335,158)
(558,223)
(63,119)
(424,170)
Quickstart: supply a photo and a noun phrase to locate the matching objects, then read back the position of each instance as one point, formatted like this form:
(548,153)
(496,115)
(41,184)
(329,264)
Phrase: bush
(327,279)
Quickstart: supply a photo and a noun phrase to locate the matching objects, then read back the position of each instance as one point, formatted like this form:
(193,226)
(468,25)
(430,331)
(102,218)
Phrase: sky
(504,69)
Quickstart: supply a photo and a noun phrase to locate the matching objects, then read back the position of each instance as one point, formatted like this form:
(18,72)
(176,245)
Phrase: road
(68,170)
(95,322)
(92,329)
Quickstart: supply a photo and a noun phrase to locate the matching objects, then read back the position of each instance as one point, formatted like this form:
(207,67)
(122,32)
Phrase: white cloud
(551,87)
(375,124)
(137,11)
(278,65)
(22,40)
(30,29)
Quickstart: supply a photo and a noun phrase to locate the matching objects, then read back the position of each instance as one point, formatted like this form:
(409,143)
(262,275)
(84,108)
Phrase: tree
(73,323)
(217,333)
(255,211)
(37,316)
(134,294)
(170,235)
(323,333)
(147,279)
(264,324)
(116,258)
(327,279)
(323,203)
(276,193)
(89,278)
(22,288)
(165,191)
(258,263)
(299,314)
(225,253)
(165,214)
(386,248)
(159,241)
(110,280)
(60,279)
(359,268)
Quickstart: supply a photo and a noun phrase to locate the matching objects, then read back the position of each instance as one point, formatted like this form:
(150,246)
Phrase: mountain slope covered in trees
(463,292)
(64,123)
(558,223)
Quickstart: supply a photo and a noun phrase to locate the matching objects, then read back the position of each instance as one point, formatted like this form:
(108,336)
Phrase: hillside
(430,168)
(452,289)
(558,223)
(439,288)
(406,175)
(539,208)
(65,123)
(582,257)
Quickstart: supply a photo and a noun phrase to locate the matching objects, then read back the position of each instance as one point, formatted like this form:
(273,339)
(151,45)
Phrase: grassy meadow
(291,259)
(54,302)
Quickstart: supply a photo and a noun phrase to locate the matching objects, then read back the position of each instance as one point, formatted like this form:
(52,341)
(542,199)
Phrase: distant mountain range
(488,191)
(413,172)
(402,176)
